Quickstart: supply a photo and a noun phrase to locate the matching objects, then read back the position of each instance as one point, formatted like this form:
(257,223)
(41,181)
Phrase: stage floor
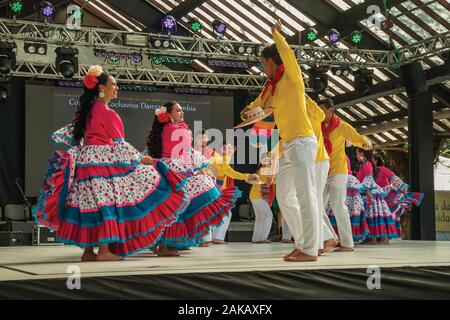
(52,262)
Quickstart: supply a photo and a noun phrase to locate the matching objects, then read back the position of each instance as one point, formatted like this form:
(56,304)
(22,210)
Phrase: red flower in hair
(163,117)
(90,81)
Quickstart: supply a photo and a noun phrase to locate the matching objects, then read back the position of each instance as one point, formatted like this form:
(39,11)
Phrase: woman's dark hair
(83,112)
(380,161)
(326,102)
(369,156)
(154,137)
(272,52)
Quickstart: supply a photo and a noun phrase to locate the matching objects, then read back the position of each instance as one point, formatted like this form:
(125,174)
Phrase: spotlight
(42,49)
(158,60)
(356,37)
(157,43)
(318,79)
(346,72)
(7,57)
(312,34)
(219,27)
(114,57)
(363,80)
(241,49)
(340,71)
(195,25)
(66,61)
(35,48)
(169,24)
(162,43)
(74,17)
(78,14)
(334,36)
(16,7)
(47,10)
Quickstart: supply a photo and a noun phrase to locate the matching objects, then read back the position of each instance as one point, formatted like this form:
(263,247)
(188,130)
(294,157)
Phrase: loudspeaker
(44,235)
(414,78)
(11,238)
(27,229)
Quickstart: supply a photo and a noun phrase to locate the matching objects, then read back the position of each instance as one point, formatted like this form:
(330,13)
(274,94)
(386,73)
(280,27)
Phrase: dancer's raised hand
(277,26)
(367,145)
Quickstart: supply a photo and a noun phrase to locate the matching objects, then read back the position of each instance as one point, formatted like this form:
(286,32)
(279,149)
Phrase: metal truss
(123,41)
(201,48)
(159,77)
(423,49)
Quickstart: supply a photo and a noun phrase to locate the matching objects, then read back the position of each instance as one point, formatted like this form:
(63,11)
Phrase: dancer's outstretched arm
(287,55)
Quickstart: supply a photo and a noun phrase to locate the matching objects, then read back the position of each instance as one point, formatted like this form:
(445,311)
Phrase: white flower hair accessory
(95,71)
(160,111)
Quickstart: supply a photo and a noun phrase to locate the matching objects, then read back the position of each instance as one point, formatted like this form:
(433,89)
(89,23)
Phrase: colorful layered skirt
(101,194)
(208,204)
(381,221)
(399,202)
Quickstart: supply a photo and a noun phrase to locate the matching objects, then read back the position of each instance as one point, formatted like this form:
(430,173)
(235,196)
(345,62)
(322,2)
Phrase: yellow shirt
(316,115)
(338,163)
(288,103)
(224,170)
(255,192)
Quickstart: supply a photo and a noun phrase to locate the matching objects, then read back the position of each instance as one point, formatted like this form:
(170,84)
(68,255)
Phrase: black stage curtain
(418,283)
(12,142)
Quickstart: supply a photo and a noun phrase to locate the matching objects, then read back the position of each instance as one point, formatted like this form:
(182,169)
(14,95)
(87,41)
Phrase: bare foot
(383,241)
(301,257)
(286,241)
(88,256)
(371,241)
(275,238)
(319,253)
(167,252)
(344,249)
(330,244)
(108,256)
(262,241)
(204,245)
(219,242)
(293,253)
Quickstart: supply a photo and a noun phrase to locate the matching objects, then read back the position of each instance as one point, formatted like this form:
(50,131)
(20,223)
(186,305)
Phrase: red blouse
(103,126)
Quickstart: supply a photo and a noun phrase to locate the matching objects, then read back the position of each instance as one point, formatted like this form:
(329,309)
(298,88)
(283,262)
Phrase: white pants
(297,194)
(219,232)
(287,235)
(263,220)
(326,231)
(335,194)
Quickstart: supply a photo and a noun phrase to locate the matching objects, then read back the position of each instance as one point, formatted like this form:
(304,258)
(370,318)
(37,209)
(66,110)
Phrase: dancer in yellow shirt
(328,238)
(262,197)
(225,176)
(296,187)
(335,133)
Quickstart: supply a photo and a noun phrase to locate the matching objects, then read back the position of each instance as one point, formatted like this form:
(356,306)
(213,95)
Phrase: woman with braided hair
(102,192)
